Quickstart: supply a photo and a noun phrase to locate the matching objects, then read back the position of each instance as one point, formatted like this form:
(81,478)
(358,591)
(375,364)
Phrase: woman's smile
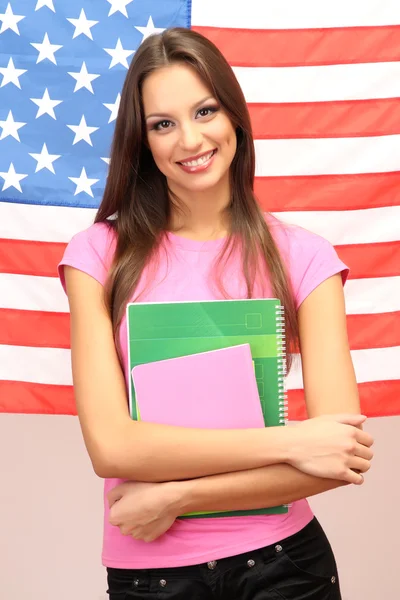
(200,164)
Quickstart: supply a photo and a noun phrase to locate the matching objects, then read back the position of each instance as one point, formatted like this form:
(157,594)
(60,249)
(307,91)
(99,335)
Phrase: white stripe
(364,226)
(25,292)
(331,156)
(320,83)
(35,365)
(372,296)
(28,292)
(291,14)
(53,365)
(43,223)
(374,364)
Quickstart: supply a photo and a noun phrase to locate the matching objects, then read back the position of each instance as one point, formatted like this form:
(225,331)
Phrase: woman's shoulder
(91,250)
(97,234)
(294,238)
(98,238)
(309,257)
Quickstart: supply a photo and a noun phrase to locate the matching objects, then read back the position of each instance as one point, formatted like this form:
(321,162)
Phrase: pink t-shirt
(182,273)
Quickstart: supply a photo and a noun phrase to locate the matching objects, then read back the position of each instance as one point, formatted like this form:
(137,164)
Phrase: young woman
(179,221)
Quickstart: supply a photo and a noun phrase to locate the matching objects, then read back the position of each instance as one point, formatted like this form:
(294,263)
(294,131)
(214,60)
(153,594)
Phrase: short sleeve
(90,251)
(313,260)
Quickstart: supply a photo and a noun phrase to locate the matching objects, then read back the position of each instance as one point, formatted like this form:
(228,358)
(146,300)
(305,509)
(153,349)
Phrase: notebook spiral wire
(282,370)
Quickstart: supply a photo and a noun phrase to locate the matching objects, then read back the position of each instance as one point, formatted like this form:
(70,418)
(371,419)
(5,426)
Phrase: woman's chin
(197,185)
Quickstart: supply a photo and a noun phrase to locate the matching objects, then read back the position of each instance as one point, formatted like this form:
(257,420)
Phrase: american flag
(322,81)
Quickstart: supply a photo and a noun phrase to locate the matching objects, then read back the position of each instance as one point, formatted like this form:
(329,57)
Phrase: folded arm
(257,488)
(122,448)
(146,511)
(330,387)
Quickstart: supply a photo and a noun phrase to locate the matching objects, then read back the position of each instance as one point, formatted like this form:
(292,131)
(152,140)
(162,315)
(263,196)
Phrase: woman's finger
(364,438)
(353,477)
(359,464)
(363,452)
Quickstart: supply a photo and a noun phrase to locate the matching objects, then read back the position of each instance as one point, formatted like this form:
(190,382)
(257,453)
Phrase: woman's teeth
(199,161)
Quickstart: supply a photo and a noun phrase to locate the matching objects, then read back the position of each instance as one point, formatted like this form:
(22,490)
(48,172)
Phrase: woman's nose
(191,137)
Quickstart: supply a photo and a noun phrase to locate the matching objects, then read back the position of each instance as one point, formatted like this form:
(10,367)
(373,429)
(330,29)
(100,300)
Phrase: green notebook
(158,331)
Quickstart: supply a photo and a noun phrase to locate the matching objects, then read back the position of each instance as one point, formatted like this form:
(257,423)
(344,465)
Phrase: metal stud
(278,548)
(163,583)
(251,563)
(212,564)
(333,579)
(136,582)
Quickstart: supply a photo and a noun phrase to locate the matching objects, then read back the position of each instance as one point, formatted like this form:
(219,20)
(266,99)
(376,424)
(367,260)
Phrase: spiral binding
(282,371)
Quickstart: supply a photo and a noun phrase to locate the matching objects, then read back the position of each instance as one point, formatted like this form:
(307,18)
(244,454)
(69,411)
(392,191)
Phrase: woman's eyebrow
(192,108)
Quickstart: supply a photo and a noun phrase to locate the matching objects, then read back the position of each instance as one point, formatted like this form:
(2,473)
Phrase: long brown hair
(136,195)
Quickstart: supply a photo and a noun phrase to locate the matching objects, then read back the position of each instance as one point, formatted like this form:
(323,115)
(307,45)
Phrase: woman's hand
(144,510)
(332,446)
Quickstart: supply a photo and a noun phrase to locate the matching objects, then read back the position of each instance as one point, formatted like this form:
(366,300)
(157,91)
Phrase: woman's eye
(162,125)
(206,111)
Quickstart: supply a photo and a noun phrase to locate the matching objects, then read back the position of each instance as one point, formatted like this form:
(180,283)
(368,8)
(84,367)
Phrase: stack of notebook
(212,364)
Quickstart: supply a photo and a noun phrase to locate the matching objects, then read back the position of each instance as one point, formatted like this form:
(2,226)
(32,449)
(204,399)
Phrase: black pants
(299,567)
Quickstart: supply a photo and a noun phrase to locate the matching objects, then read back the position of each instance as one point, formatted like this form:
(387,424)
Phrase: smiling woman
(179,221)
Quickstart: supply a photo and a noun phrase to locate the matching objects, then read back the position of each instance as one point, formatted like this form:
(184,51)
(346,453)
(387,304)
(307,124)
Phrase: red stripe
(352,118)
(36,398)
(24,257)
(328,192)
(378,399)
(298,47)
(34,328)
(51,330)
(374,331)
(371,260)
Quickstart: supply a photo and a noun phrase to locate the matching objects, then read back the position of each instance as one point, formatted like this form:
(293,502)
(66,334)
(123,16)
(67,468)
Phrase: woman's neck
(201,215)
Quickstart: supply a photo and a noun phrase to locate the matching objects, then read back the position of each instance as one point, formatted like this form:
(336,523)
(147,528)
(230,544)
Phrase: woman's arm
(121,447)
(246,490)
(330,387)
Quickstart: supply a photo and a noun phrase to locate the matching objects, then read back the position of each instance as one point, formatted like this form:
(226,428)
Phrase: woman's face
(190,136)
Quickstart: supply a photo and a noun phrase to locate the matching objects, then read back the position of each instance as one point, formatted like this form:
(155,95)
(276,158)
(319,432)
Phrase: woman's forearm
(165,453)
(257,488)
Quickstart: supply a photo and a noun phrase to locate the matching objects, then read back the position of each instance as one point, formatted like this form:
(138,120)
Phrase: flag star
(118,5)
(149,29)
(114,108)
(83,79)
(82,131)
(119,55)
(48,3)
(10,127)
(11,74)
(106,160)
(83,183)
(82,25)
(46,105)
(12,179)
(9,20)
(46,50)
(45,160)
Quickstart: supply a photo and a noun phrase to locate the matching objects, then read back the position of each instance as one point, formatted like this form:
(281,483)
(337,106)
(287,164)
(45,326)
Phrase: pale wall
(51,515)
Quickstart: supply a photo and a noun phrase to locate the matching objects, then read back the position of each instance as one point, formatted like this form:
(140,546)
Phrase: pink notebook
(209,390)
